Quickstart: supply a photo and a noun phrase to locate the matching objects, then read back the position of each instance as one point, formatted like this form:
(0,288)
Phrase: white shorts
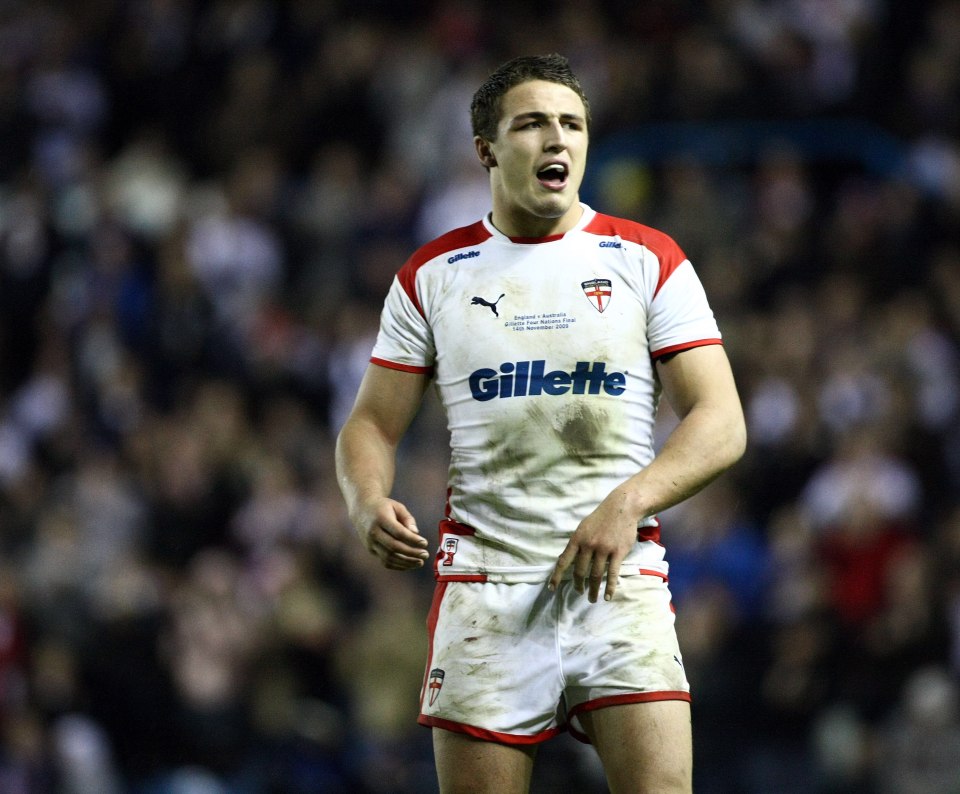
(515,663)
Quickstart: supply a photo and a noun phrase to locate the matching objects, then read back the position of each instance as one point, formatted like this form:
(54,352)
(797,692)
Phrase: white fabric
(550,401)
(508,662)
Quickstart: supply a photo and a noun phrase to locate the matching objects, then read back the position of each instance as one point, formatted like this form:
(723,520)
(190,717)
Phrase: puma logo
(493,306)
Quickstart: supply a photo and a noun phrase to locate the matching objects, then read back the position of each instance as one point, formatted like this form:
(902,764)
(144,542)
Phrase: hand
(597,548)
(391,534)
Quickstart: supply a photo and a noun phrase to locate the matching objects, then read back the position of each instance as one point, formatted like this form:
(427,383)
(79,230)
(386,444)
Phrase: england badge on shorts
(436,681)
(598,291)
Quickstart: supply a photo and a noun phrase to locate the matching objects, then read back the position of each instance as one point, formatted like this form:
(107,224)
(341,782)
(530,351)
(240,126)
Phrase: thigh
(466,764)
(644,747)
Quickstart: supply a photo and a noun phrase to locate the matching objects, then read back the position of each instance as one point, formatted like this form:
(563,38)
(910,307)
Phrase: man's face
(538,159)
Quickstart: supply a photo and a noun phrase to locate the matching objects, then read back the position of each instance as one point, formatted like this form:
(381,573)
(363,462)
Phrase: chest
(562,305)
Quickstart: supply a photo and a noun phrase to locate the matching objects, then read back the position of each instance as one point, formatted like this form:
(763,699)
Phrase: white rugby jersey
(543,352)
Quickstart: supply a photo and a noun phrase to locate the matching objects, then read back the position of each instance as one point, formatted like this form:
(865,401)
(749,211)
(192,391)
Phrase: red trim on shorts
(651,572)
(487,735)
(432,617)
(452,527)
(620,700)
(461,577)
(651,532)
(456,528)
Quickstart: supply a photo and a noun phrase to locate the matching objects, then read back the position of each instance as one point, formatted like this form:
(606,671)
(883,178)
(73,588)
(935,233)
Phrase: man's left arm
(710,437)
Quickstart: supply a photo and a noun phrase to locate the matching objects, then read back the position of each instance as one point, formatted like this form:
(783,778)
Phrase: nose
(555,139)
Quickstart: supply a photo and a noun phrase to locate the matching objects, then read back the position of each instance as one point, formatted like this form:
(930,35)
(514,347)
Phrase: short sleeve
(680,316)
(405,340)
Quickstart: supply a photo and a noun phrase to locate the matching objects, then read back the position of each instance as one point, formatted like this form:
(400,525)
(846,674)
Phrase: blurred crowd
(202,205)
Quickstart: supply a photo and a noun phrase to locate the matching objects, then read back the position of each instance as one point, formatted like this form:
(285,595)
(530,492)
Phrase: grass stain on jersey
(583,433)
(513,448)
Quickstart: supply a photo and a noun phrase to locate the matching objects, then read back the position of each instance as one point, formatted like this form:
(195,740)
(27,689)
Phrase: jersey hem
(459,558)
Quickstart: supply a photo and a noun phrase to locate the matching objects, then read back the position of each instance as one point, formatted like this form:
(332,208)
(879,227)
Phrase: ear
(485,152)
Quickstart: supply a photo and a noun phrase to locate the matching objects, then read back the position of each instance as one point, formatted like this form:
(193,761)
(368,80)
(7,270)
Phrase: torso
(542,356)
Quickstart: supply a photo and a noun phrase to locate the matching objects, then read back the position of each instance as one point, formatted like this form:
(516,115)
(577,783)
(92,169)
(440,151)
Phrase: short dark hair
(485,109)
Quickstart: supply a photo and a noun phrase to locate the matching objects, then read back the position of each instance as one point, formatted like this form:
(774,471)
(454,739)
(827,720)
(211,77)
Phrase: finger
(399,562)
(399,559)
(406,519)
(399,541)
(581,570)
(566,557)
(403,526)
(613,577)
(596,579)
(411,544)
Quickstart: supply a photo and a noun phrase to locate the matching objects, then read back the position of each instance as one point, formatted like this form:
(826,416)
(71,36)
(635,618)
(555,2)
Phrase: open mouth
(553,176)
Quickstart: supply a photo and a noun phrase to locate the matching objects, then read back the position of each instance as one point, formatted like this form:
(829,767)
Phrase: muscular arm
(710,437)
(366,459)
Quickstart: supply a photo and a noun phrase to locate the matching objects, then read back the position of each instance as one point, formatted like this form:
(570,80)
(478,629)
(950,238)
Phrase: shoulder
(464,237)
(660,243)
(454,240)
(669,255)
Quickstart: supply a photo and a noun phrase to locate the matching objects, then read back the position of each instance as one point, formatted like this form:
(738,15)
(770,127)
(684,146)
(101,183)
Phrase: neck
(526,225)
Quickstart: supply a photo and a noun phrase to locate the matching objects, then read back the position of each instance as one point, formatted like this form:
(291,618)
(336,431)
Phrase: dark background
(202,205)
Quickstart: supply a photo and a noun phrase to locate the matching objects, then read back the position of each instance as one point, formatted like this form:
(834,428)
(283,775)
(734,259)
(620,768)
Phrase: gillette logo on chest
(531,378)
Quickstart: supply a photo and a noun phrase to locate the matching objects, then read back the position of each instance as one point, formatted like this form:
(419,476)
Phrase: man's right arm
(386,403)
